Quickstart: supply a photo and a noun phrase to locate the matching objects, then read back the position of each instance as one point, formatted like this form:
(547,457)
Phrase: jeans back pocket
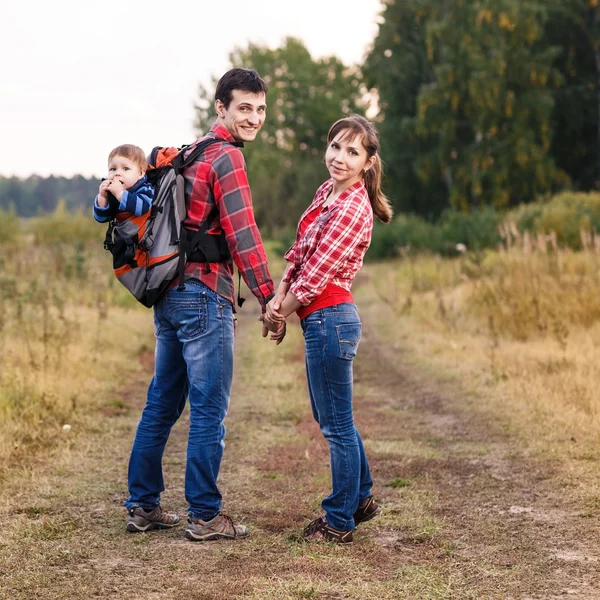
(348,338)
(189,315)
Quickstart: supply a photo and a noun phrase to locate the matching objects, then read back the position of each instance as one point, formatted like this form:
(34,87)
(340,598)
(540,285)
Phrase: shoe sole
(211,536)
(133,528)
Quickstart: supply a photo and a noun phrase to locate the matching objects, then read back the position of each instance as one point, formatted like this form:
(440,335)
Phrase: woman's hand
(272,315)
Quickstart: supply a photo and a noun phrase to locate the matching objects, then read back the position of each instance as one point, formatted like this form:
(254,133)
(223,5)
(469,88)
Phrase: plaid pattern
(331,249)
(219,178)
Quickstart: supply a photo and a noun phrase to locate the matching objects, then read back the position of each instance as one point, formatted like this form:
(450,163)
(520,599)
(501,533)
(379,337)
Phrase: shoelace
(313,526)
(230,521)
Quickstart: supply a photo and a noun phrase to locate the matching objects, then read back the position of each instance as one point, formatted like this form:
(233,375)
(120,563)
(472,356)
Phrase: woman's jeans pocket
(348,336)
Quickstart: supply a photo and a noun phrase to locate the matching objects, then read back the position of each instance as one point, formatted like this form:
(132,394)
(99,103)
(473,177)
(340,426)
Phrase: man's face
(245,115)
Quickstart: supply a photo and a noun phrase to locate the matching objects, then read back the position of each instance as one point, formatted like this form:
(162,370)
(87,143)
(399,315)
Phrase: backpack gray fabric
(150,250)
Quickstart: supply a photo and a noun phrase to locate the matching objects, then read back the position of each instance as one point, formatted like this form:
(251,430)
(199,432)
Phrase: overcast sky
(79,77)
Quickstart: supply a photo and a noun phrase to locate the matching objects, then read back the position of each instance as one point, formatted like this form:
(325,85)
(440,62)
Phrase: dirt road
(466,513)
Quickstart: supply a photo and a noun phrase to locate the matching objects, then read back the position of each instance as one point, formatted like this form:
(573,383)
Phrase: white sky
(79,77)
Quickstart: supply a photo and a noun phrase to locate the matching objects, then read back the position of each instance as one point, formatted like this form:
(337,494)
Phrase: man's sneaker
(367,510)
(219,527)
(321,530)
(141,520)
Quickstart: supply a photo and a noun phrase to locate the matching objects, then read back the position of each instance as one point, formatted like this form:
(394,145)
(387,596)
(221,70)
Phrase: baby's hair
(131,152)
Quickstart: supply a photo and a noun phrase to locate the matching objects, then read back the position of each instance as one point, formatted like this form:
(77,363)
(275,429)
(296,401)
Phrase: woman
(332,238)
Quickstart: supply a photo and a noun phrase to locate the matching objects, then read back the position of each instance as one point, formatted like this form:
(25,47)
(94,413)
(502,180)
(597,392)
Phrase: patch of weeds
(420,582)
(435,442)
(301,592)
(141,539)
(32,511)
(593,503)
(48,528)
(399,482)
(289,415)
(415,539)
(447,549)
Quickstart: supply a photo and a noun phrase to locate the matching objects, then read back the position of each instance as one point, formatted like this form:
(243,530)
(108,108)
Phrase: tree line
(479,103)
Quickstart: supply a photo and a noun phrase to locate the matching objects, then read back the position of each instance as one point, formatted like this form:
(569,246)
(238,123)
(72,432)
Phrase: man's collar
(222,132)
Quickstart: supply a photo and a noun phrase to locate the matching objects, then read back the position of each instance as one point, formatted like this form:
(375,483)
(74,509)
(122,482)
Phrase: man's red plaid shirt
(331,249)
(219,179)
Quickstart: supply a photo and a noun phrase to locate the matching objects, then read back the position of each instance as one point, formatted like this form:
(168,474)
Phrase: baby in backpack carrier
(126,191)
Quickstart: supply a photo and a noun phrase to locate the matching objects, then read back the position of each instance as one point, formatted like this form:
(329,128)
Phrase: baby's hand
(103,193)
(116,188)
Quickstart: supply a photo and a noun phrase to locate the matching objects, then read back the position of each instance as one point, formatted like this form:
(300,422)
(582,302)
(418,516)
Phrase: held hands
(273,321)
(277,331)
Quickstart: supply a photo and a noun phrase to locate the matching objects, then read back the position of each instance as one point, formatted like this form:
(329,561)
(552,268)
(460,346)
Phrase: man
(195,326)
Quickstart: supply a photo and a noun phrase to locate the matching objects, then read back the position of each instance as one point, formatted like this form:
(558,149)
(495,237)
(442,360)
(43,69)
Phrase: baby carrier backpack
(150,250)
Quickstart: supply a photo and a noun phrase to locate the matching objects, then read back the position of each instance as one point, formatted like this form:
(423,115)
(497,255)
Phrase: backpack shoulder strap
(179,163)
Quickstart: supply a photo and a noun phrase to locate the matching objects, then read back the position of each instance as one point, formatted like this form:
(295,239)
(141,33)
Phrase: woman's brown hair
(357,125)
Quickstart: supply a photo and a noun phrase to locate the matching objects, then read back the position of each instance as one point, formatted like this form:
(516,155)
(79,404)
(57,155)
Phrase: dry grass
(485,478)
(65,341)
(520,329)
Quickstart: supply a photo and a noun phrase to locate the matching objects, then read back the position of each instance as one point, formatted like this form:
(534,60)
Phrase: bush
(476,230)
(63,227)
(566,214)
(10,227)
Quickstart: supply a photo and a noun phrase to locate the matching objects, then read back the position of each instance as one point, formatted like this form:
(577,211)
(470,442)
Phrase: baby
(126,191)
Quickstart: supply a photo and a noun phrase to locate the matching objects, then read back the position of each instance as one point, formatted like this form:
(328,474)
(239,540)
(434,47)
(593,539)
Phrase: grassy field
(475,396)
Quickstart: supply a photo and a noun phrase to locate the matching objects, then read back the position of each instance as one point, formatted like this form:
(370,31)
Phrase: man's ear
(219,108)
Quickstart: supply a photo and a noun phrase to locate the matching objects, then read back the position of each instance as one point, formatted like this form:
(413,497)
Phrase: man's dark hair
(247,80)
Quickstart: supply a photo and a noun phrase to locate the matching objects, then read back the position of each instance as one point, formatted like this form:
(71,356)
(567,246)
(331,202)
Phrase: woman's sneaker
(367,510)
(219,527)
(142,520)
(321,530)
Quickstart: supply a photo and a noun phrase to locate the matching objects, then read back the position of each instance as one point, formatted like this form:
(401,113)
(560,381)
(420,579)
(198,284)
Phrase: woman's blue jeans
(193,357)
(331,338)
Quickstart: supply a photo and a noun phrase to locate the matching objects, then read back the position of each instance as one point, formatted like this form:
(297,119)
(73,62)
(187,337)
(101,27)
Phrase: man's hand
(277,330)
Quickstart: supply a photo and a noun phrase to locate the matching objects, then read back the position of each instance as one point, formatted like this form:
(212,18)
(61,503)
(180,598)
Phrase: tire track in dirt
(509,525)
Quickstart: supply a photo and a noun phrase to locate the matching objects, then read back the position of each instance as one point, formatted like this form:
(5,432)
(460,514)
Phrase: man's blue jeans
(194,357)
(331,338)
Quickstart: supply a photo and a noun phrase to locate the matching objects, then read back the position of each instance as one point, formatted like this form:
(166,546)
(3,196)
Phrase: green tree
(489,108)
(395,70)
(474,82)
(46,193)
(285,163)
(574,26)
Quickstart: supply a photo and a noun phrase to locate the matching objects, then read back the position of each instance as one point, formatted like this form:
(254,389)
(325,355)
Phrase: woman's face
(346,158)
